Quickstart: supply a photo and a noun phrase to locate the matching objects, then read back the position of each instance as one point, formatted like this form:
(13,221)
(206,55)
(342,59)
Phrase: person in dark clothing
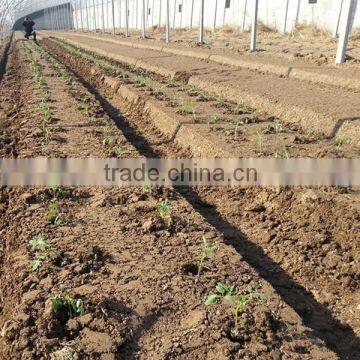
(29,24)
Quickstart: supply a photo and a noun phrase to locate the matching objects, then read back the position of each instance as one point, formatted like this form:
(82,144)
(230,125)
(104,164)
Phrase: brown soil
(327,109)
(305,42)
(136,273)
(293,245)
(216,118)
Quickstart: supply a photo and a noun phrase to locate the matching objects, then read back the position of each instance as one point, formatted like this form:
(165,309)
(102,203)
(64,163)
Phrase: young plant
(109,140)
(146,186)
(207,250)
(164,210)
(276,127)
(45,109)
(223,291)
(142,80)
(239,301)
(213,119)
(158,90)
(260,143)
(85,107)
(201,95)
(341,140)
(119,150)
(53,215)
(239,108)
(238,122)
(186,108)
(64,306)
(57,191)
(43,251)
(171,82)
(220,101)
(47,132)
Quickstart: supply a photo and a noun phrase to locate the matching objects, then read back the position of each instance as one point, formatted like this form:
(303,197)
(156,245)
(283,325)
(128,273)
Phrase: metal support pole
(94,15)
(192,14)
(143,33)
(107,15)
(152,12)
(160,8)
(87,15)
(254,25)
(181,14)
(167,21)
(75,17)
(336,30)
(113,17)
(349,13)
(215,14)
(81,17)
(244,18)
(224,13)
(120,23)
(174,18)
(126,18)
(286,16)
(57,18)
(102,16)
(297,13)
(201,29)
(67,17)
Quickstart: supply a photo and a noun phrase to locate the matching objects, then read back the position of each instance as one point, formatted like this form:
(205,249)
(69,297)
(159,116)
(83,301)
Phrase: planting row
(235,127)
(300,257)
(122,273)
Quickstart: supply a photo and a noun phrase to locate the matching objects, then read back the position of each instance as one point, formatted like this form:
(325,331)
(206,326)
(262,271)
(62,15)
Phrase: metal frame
(56,17)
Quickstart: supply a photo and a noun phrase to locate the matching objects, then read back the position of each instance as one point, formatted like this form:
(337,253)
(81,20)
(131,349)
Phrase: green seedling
(255,116)
(109,140)
(207,250)
(220,101)
(171,82)
(260,143)
(341,140)
(213,119)
(146,185)
(186,108)
(239,108)
(63,305)
(223,291)
(158,90)
(238,123)
(43,251)
(201,96)
(119,150)
(45,109)
(142,80)
(57,191)
(53,215)
(164,209)
(228,293)
(47,132)
(85,107)
(276,127)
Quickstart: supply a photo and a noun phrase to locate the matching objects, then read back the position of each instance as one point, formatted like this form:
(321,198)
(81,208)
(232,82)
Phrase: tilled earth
(136,271)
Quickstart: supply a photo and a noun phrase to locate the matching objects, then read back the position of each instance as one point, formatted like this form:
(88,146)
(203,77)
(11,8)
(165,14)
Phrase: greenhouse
(179,179)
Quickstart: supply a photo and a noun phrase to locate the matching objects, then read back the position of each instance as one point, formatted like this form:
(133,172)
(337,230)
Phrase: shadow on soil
(338,337)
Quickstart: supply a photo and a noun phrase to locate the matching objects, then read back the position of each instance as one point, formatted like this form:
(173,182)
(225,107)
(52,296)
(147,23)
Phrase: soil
(326,109)
(305,42)
(136,272)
